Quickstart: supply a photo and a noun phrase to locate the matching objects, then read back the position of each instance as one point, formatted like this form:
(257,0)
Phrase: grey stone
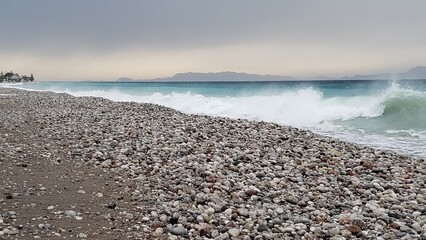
(179,230)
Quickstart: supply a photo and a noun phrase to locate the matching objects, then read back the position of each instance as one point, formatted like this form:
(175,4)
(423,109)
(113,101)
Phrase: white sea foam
(376,119)
(299,107)
(304,107)
(11,85)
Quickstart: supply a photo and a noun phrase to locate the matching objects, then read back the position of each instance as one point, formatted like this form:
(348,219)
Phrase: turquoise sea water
(383,114)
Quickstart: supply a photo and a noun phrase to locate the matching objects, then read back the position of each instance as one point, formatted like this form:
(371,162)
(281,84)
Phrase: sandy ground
(40,182)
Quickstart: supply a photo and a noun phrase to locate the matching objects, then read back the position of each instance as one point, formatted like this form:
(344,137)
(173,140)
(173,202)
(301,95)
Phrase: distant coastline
(11,77)
(418,72)
(214,76)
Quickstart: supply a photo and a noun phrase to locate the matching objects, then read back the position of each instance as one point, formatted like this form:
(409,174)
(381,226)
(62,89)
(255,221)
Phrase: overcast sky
(108,39)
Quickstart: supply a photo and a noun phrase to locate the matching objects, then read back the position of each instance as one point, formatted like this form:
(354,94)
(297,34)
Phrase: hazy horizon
(107,40)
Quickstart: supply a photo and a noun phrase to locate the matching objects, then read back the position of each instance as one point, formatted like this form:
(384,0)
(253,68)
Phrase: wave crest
(394,107)
(404,109)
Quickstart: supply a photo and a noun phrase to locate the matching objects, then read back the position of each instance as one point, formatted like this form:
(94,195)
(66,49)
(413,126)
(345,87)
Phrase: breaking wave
(393,108)
(390,116)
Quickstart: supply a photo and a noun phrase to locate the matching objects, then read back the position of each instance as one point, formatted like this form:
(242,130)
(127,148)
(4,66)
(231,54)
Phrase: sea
(382,114)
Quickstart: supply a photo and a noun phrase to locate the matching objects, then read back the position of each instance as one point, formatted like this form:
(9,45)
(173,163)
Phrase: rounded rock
(234,232)
(179,230)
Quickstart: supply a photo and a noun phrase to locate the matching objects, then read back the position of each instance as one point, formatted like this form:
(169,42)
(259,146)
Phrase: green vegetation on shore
(15,77)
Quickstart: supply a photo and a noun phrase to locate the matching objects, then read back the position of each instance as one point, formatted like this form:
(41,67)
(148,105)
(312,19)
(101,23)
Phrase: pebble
(200,176)
(179,230)
(158,231)
(71,213)
(262,227)
(346,233)
(288,230)
(234,232)
(337,238)
(82,235)
(334,231)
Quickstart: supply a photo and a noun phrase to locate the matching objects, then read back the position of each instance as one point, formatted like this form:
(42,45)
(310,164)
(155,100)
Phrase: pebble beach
(90,168)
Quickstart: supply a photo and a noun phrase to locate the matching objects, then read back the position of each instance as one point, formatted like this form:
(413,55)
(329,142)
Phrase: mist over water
(390,115)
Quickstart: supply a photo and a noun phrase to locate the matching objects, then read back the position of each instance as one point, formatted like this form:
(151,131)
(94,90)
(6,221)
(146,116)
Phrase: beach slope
(92,168)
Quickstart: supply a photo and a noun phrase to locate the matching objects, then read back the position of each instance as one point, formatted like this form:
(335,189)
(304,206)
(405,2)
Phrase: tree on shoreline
(15,77)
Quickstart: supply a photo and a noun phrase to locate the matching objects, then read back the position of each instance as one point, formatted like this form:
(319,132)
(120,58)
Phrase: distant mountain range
(418,72)
(218,76)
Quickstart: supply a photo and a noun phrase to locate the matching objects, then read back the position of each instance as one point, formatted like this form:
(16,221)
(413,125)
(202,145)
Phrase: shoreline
(316,133)
(403,142)
(196,177)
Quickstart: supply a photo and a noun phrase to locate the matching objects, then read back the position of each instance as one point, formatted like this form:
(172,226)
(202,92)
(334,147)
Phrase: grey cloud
(49,25)
(111,24)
